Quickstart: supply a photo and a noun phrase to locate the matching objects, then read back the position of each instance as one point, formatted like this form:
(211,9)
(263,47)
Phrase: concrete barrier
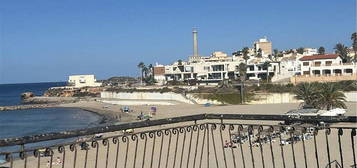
(276,98)
(146,96)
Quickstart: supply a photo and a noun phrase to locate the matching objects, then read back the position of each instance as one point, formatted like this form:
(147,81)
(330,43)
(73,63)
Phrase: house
(79,81)
(324,68)
(329,64)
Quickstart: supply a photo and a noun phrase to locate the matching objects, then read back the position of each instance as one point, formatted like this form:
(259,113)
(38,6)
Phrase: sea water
(19,123)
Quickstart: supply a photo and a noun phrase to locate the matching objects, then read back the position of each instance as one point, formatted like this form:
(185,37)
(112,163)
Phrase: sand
(189,151)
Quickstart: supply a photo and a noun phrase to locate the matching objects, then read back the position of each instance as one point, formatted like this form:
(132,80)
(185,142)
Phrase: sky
(48,40)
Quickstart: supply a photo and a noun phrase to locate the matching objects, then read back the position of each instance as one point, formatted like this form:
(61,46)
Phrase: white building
(213,69)
(79,81)
(330,64)
(310,51)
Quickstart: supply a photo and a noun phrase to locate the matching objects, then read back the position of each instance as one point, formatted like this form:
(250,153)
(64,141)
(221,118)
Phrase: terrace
(205,140)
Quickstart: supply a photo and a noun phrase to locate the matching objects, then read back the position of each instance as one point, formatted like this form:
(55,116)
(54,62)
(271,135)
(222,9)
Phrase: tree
(307,93)
(179,62)
(321,50)
(342,50)
(321,96)
(330,96)
(276,54)
(300,50)
(245,52)
(354,44)
(259,53)
(266,66)
(242,70)
(141,66)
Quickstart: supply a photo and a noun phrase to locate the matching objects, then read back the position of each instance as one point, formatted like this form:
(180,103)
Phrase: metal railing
(205,140)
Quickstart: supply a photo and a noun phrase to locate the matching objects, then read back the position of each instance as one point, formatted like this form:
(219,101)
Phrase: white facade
(310,51)
(79,81)
(211,70)
(326,65)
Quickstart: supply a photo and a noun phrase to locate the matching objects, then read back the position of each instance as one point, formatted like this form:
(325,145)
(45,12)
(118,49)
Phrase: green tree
(266,66)
(354,44)
(141,66)
(300,50)
(259,53)
(321,50)
(321,95)
(342,51)
(307,93)
(276,54)
(179,62)
(242,70)
(331,96)
(245,52)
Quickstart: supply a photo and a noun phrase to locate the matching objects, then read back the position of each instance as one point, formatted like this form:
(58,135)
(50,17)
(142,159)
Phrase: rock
(27,95)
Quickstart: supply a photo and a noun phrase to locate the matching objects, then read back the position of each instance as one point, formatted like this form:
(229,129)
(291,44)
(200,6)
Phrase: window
(305,63)
(317,63)
(328,63)
(306,72)
(218,67)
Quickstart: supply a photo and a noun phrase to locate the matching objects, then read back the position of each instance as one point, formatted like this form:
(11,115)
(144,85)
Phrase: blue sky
(47,40)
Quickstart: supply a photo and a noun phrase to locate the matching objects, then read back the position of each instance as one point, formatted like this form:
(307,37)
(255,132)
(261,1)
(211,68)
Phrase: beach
(113,112)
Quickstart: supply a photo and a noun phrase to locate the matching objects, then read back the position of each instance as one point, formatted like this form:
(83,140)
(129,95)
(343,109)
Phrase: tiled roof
(315,57)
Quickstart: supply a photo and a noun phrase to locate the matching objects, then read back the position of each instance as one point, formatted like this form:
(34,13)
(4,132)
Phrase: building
(79,81)
(310,51)
(328,68)
(219,66)
(264,45)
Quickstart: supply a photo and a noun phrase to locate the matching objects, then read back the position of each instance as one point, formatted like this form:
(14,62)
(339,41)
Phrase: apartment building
(213,69)
(264,45)
(330,64)
(79,81)
(328,68)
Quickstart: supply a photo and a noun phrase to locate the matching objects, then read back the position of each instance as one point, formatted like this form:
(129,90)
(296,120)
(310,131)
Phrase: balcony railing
(205,140)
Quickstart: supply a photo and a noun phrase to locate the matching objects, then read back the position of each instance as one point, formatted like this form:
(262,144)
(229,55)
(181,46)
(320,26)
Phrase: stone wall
(322,78)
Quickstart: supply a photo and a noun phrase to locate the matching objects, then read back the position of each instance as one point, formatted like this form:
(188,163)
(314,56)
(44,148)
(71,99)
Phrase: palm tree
(266,66)
(307,93)
(245,52)
(145,72)
(259,53)
(331,96)
(321,96)
(321,50)
(179,62)
(242,70)
(141,66)
(276,54)
(354,44)
(342,50)
(300,50)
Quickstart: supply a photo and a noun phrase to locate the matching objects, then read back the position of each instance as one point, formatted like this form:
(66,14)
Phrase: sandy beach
(187,141)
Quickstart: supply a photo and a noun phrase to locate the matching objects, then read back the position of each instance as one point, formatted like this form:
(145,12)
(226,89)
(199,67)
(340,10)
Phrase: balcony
(205,140)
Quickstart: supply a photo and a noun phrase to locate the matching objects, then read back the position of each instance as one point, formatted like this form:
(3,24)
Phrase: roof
(315,57)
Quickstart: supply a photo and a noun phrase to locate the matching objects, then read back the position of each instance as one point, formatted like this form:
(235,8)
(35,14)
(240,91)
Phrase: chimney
(195,45)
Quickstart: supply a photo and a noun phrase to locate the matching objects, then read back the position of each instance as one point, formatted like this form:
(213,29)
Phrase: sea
(19,123)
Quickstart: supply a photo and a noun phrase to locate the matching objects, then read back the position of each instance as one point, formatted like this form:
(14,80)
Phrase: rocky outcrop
(49,100)
(73,92)
(23,107)
(27,95)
